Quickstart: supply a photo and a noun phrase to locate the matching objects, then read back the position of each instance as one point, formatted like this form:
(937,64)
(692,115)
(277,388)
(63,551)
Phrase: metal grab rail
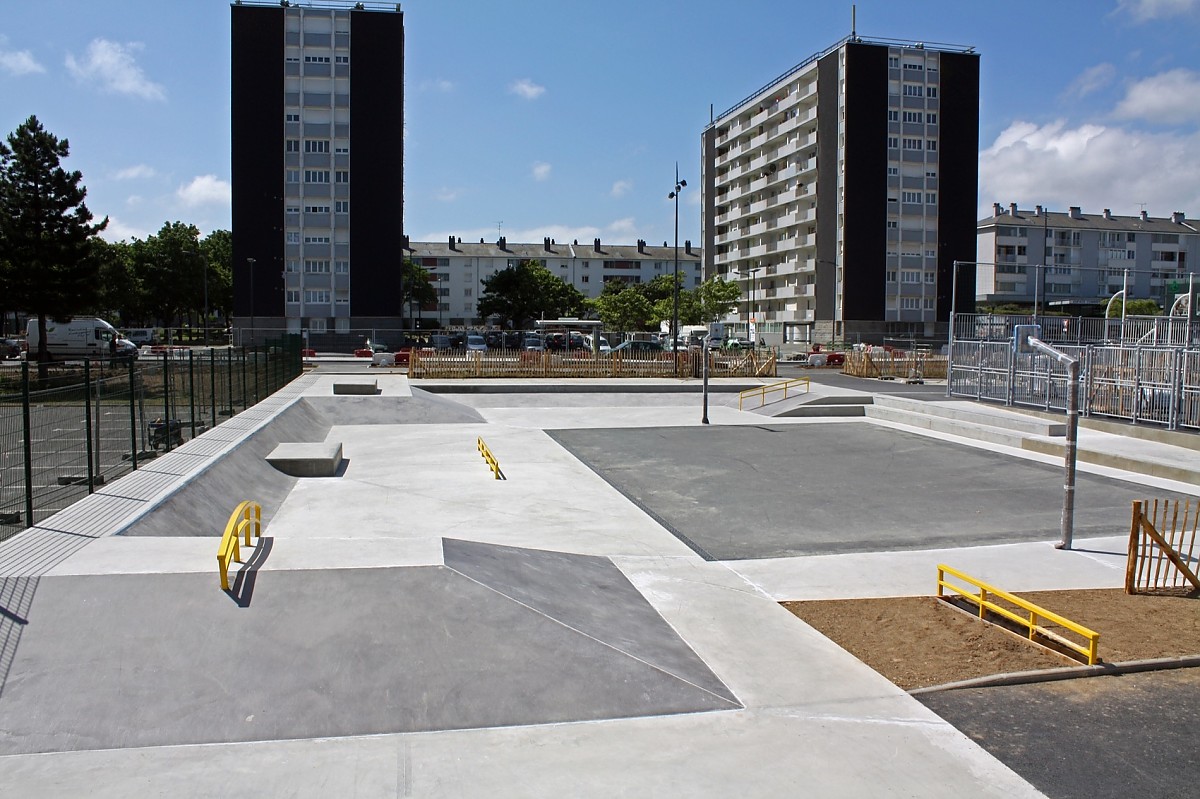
(245,518)
(492,463)
(1030,622)
(783,386)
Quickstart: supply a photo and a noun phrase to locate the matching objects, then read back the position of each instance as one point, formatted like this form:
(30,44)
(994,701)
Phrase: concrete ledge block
(356,387)
(307,460)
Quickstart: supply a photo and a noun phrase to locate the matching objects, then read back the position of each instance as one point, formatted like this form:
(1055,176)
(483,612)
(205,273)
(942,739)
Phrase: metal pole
(167,400)
(245,394)
(28,425)
(212,384)
(133,424)
(229,377)
(192,388)
(953,320)
(87,422)
(704,354)
(675,291)
(1069,457)
(205,260)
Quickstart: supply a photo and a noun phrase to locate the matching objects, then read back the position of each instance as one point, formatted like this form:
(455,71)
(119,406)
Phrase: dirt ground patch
(917,642)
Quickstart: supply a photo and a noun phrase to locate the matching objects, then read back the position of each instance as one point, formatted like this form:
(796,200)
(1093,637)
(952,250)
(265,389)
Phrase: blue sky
(566,119)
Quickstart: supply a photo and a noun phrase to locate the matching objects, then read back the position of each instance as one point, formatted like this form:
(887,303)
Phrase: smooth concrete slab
(320,459)
(772,490)
(313,654)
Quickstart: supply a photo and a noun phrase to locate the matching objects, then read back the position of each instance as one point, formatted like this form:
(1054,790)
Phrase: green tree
(171,271)
(46,229)
(217,248)
(623,309)
(415,287)
(708,302)
(528,291)
(1135,308)
(121,298)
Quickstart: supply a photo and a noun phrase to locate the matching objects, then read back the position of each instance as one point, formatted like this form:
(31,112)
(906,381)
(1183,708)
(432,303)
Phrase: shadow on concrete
(242,590)
(16,599)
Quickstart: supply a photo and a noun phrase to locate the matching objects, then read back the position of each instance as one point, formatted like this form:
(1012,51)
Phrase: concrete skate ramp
(202,506)
(421,408)
(772,490)
(154,660)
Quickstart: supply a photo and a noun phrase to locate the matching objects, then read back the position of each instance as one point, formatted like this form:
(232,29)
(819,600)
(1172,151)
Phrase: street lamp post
(752,271)
(250,261)
(679,185)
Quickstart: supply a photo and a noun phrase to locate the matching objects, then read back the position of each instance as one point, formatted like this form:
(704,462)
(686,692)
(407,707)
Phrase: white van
(81,337)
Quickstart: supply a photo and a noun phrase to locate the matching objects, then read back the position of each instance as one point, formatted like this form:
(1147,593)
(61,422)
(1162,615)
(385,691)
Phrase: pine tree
(45,229)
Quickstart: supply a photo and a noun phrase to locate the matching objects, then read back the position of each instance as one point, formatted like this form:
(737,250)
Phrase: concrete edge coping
(1065,673)
(356,387)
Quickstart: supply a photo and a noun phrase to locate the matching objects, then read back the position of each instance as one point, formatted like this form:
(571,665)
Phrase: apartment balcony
(758,251)
(758,162)
(758,207)
(758,184)
(758,140)
(758,229)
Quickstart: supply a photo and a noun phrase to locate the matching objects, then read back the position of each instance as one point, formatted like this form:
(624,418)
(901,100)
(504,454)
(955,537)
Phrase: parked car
(11,348)
(604,347)
(638,347)
(476,344)
(533,343)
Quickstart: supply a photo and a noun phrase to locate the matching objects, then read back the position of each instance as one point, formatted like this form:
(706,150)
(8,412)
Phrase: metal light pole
(250,261)
(679,184)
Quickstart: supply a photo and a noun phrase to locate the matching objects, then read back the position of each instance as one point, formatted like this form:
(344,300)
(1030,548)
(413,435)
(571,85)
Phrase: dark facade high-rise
(317,166)
(842,193)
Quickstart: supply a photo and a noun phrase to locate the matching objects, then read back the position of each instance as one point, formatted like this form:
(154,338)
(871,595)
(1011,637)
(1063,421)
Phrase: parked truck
(78,338)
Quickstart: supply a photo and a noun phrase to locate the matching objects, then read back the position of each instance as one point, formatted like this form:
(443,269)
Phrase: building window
(341,206)
(316,146)
(292,237)
(893,142)
(929,303)
(910,303)
(341,267)
(930,198)
(893,171)
(292,176)
(931,91)
(910,196)
(893,116)
(291,117)
(890,276)
(341,150)
(466,292)
(341,59)
(894,61)
(912,144)
(316,297)
(292,209)
(316,176)
(292,266)
(930,277)
(291,295)
(584,279)
(316,59)
(292,146)
(915,67)
(912,90)
(932,175)
(912,116)
(893,224)
(931,119)
(909,276)
(931,145)
(317,267)
(317,326)
(342,176)
(316,209)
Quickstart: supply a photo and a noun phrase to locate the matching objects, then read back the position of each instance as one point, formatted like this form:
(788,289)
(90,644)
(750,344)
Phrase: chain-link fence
(66,430)
(1147,384)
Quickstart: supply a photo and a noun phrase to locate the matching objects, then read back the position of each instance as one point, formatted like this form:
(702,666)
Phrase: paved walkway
(414,627)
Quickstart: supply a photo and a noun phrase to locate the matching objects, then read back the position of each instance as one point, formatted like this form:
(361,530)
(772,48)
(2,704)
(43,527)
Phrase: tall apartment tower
(318,165)
(841,194)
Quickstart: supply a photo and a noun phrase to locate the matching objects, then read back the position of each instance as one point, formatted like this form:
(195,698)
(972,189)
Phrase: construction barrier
(762,391)
(488,457)
(1162,547)
(916,366)
(245,519)
(1027,615)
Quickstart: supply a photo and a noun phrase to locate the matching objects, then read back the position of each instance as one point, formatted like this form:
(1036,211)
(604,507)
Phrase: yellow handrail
(783,386)
(245,519)
(1036,613)
(492,463)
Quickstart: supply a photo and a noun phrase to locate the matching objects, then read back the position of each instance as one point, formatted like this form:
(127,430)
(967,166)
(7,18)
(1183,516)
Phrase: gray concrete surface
(323,459)
(560,642)
(849,488)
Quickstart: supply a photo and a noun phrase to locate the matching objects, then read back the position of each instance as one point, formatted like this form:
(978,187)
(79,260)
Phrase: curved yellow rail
(245,519)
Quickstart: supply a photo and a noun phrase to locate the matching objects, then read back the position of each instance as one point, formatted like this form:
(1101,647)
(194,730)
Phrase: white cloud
(1169,97)
(137,172)
(621,188)
(437,85)
(1145,10)
(527,89)
(133,200)
(119,231)
(18,62)
(1092,79)
(541,171)
(624,230)
(205,190)
(111,66)
(1091,166)
(447,195)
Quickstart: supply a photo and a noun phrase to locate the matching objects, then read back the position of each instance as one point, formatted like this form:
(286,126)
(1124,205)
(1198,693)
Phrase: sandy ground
(918,642)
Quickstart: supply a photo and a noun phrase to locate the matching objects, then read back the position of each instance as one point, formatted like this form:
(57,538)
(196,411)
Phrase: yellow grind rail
(246,518)
(492,463)
(762,391)
(1030,620)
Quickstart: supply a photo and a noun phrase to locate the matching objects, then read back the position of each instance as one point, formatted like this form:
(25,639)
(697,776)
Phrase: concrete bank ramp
(420,408)
(529,637)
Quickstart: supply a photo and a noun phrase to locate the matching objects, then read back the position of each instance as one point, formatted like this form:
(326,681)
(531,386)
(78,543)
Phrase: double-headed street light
(679,186)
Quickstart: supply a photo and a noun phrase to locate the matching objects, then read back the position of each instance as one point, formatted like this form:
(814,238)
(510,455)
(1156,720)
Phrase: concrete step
(321,459)
(975,413)
(1165,461)
(966,428)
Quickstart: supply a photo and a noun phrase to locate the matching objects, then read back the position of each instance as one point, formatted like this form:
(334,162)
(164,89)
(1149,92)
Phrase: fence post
(87,421)
(245,394)
(1089,362)
(27,424)
(229,377)
(133,425)
(167,399)
(1137,384)
(1176,389)
(192,389)
(212,383)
